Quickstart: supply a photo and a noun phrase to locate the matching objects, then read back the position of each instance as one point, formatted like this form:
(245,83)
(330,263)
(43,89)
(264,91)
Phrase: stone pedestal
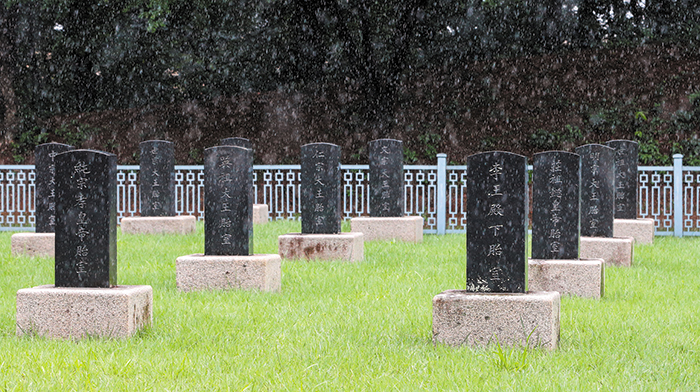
(260,214)
(75,313)
(33,244)
(583,278)
(342,246)
(642,230)
(406,228)
(185,224)
(481,319)
(254,272)
(615,251)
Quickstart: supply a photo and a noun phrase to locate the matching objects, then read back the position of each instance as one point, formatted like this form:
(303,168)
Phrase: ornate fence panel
(669,195)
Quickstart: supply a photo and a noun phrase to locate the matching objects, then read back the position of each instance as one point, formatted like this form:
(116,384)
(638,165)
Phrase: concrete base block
(254,272)
(615,251)
(33,244)
(583,278)
(478,319)
(78,312)
(342,246)
(185,224)
(405,228)
(642,230)
(260,214)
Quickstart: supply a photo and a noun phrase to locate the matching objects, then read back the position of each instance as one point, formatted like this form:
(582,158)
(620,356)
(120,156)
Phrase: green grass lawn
(360,326)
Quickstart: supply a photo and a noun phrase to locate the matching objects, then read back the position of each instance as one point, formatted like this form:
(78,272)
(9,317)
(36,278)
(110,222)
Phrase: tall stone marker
(228,262)
(555,263)
(85,299)
(626,223)
(387,197)
(86,224)
(157,193)
(556,183)
(494,308)
(320,189)
(41,242)
(597,190)
(44,155)
(260,211)
(598,207)
(157,178)
(386,182)
(321,203)
(228,193)
(497,222)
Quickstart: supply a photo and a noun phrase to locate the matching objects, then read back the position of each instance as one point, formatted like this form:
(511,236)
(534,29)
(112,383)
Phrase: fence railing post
(678,195)
(441,193)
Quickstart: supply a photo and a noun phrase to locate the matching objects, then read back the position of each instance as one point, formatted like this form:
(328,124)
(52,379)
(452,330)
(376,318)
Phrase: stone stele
(254,272)
(615,251)
(76,313)
(405,228)
(341,246)
(582,278)
(185,224)
(33,244)
(483,319)
(642,230)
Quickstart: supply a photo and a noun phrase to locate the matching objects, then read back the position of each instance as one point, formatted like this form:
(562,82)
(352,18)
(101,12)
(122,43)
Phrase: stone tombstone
(386,198)
(228,198)
(497,222)
(238,142)
(86,219)
(626,161)
(45,181)
(320,189)
(556,193)
(597,190)
(157,178)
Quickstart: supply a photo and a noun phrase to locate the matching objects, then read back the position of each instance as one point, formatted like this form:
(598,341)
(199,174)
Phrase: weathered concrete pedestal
(405,228)
(185,224)
(481,319)
(255,272)
(79,312)
(342,246)
(583,278)
(642,230)
(260,214)
(33,244)
(615,251)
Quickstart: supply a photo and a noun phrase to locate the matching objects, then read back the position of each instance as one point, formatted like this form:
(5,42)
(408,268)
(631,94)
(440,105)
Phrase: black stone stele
(497,221)
(386,197)
(597,190)
(45,181)
(228,196)
(320,189)
(626,161)
(556,194)
(157,177)
(86,219)
(238,142)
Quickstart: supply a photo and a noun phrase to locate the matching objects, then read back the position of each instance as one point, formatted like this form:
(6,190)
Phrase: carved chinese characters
(157,178)
(44,155)
(626,158)
(597,188)
(496,222)
(320,188)
(86,219)
(555,205)
(386,178)
(228,192)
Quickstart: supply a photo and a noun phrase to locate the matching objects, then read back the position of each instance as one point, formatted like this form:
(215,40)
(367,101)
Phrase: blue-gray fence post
(441,192)
(678,195)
